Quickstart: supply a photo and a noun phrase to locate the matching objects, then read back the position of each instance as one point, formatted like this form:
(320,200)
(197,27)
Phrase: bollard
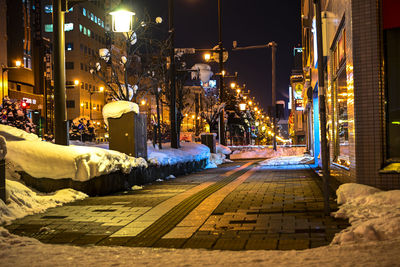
(3,152)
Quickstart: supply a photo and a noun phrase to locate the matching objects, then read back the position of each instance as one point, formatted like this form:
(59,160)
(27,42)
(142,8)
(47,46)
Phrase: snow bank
(80,163)
(374,214)
(23,201)
(287,160)
(24,251)
(169,156)
(264,152)
(117,108)
(223,149)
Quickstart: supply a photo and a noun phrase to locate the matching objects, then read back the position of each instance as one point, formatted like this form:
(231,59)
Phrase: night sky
(251,22)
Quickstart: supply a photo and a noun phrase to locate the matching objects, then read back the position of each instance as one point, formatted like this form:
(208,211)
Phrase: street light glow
(143,102)
(238,91)
(250,103)
(233,85)
(122,20)
(242,106)
(18,63)
(76,82)
(101,88)
(207,56)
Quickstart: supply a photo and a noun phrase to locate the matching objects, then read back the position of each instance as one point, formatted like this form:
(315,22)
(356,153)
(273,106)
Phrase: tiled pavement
(233,207)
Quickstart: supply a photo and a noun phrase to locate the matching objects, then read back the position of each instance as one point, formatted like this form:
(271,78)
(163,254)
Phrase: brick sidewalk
(258,207)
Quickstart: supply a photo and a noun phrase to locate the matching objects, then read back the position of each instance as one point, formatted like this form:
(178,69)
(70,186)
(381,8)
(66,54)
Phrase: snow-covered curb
(170,156)
(80,163)
(374,214)
(265,152)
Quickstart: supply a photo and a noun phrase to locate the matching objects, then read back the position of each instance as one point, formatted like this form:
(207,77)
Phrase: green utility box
(128,134)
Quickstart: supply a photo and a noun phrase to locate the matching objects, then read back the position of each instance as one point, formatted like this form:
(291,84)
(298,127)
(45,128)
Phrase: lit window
(69,46)
(68,27)
(92,16)
(102,24)
(95,19)
(48,9)
(80,27)
(99,22)
(84,31)
(84,11)
(48,27)
(89,32)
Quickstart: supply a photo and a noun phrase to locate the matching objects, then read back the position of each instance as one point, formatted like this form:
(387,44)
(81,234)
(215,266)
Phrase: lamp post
(273,46)
(4,68)
(221,77)
(60,111)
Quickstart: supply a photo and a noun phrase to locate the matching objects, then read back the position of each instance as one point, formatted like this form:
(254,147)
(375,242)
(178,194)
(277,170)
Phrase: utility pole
(322,109)
(172,106)
(60,112)
(222,140)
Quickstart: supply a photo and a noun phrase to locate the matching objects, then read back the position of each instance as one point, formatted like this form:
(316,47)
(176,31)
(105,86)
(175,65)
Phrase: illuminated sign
(299,104)
(209,84)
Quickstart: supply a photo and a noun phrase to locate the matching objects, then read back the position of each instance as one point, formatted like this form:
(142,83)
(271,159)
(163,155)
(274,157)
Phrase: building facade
(361,49)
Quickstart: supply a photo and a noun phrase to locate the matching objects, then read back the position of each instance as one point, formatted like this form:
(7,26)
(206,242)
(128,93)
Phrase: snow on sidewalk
(23,201)
(288,160)
(23,251)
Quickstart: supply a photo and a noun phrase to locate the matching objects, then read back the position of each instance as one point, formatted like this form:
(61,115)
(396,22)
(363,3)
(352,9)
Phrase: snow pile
(80,163)
(374,214)
(117,108)
(169,156)
(223,149)
(288,160)
(251,152)
(23,201)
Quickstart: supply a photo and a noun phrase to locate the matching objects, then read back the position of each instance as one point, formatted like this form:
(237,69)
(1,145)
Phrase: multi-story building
(85,34)
(361,51)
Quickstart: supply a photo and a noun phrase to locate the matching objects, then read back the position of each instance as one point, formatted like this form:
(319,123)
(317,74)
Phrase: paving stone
(230,244)
(206,243)
(290,244)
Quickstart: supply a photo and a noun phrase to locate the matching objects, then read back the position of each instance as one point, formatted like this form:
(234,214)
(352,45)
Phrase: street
(239,206)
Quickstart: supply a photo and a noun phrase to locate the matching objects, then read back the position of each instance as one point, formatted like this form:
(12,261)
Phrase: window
(69,65)
(81,66)
(70,103)
(392,67)
(86,86)
(84,31)
(86,105)
(85,50)
(68,27)
(69,46)
(82,85)
(89,32)
(95,19)
(48,27)
(84,11)
(18,87)
(81,45)
(340,98)
(92,16)
(80,27)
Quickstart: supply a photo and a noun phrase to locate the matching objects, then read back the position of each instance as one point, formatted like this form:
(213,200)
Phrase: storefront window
(340,97)
(392,64)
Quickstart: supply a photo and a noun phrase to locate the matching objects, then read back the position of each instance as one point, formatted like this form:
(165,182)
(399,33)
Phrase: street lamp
(18,63)
(122,20)
(233,85)
(242,106)
(4,69)
(207,56)
(76,82)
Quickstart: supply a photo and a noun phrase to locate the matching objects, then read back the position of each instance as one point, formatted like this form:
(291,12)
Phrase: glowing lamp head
(250,103)
(82,104)
(76,82)
(238,91)
(207,56)
(257,123)
(223,72)
(143,102)
(122,20)
(18,63)
(233,85)
(193,116)
(101,88)
(242,106)
(263,128)
(255,109)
